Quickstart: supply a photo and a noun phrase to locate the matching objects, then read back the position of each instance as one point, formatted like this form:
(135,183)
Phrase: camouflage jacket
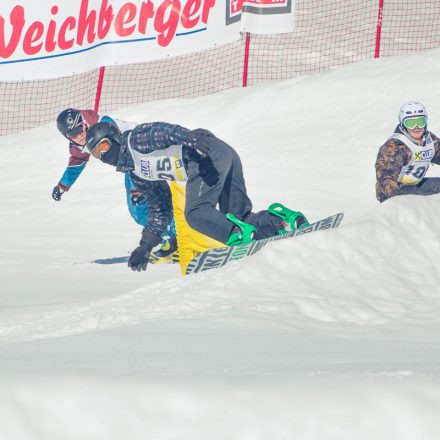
(392,156)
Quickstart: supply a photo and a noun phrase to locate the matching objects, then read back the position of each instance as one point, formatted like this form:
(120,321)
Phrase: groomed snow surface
(332,335)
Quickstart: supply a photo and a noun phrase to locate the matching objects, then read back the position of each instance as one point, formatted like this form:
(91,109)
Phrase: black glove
(139,257)
(200,143)
(57,192)
(137,197)
(208,172)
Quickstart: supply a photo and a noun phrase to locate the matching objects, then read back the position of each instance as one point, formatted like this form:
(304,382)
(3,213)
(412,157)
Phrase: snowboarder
(73,125)
(404,159)
(212,171)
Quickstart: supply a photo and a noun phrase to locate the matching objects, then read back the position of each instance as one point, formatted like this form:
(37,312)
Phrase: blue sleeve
(108,119)
(71,174)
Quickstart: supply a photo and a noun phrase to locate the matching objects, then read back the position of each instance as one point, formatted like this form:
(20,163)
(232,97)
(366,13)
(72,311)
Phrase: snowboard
(154,259)
(219,257)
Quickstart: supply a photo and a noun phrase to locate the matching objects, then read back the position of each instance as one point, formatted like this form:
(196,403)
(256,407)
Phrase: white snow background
(332,335)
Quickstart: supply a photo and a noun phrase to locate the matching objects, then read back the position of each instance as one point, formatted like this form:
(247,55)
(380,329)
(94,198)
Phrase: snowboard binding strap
(244,235)
(293,219)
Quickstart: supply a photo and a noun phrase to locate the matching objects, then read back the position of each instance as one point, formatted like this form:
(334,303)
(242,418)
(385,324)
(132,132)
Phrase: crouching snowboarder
(212,170)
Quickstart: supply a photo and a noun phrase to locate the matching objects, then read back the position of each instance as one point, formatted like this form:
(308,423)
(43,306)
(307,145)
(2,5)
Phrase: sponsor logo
(178,163)
(22,32)
(146,168)
(423,155)
(234,8)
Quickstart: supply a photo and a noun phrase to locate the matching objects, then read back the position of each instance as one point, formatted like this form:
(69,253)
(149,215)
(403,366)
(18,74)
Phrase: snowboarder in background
(404,159)
(73,125)
(211,169)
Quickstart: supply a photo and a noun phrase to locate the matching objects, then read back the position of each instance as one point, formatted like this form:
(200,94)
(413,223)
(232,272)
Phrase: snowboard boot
(292,220)
(167,252)
(242,232)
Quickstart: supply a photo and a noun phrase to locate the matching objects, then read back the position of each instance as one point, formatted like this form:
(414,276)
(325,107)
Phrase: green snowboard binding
(293,219)
(245,235)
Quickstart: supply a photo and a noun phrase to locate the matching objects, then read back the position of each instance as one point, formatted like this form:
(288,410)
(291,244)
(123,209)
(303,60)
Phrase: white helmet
(411,109)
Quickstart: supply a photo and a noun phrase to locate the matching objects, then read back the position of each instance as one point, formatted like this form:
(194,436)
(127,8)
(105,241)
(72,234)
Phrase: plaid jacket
(146,138)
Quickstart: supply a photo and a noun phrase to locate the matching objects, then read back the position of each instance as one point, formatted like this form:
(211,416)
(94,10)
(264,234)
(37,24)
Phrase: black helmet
(104,131)
(69,122)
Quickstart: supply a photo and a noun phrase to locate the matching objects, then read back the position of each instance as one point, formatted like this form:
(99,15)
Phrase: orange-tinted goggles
(101,148)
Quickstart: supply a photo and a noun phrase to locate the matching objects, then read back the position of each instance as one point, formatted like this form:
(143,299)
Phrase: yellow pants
(189,241)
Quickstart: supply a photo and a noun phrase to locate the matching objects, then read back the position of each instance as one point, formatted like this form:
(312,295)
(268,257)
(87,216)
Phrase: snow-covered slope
(333,335)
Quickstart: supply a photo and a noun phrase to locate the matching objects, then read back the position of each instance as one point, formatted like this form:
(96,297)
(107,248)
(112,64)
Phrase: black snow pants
(206,206)
(427,187)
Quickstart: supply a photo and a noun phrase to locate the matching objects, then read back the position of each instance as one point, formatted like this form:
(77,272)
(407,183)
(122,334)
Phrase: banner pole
(246,59)
(379,29)
(99,88)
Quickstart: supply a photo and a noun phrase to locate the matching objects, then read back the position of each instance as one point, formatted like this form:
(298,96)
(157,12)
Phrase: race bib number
(170,168)
(421,157)
(412,174)
(165,164)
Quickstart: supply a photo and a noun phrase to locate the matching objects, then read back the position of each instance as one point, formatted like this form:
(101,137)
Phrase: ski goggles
(75,131)
(101,148)
(418,121)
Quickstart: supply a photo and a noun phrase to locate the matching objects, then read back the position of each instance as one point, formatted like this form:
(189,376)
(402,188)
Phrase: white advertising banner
(47,39)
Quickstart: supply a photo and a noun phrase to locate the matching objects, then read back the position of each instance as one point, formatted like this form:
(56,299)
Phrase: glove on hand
(57,192)
(137,197)
(208,172)
(139,257)
(200,143)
